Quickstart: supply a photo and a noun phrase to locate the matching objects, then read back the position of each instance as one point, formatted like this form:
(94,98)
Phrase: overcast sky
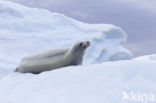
(136,17)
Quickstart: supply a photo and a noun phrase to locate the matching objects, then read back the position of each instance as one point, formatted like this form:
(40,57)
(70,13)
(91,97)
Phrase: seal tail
(16,69)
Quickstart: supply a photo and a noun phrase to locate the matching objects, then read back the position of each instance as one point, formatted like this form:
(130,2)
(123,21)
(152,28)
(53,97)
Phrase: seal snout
(87,44)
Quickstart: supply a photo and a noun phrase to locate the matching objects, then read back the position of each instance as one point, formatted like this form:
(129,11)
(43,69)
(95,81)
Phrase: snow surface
(96,83)
(26,30)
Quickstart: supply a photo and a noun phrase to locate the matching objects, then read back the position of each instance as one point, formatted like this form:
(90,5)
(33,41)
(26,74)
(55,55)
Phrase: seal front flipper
(16,70)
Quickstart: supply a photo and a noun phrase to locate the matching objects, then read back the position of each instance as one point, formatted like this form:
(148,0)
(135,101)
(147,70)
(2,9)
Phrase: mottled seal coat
(53,59)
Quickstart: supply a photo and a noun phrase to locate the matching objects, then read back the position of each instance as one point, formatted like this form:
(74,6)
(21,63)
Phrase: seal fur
(53,59)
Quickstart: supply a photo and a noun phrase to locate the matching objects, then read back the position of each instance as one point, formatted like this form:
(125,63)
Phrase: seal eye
(81,44)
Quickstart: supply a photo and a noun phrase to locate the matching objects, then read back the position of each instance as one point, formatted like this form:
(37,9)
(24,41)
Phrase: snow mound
(151,58)
(25,30)
(96,83)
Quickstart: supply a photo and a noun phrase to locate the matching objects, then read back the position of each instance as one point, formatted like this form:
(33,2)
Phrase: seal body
(53,59)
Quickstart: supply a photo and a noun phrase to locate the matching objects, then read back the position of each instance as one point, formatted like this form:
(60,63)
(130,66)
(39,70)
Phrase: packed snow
(96,83)
(25,30)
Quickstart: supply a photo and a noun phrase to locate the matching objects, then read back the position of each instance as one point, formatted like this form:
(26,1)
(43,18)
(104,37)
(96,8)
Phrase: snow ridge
(22,26)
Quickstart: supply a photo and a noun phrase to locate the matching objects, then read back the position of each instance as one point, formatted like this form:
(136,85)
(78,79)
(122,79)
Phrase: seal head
(78,51)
